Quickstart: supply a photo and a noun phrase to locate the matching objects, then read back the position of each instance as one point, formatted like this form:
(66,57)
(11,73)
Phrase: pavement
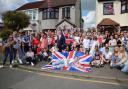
(15,78)
(103,73)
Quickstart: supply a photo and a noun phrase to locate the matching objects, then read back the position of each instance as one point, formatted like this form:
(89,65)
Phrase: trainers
(1,66)
(20,61)
(10,66)
(32,64)
(12,61)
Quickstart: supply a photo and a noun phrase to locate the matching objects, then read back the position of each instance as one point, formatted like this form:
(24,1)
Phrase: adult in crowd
(61,41)
(44,42)
(86,43)
(93,47)
(8,51)
(122,56)
(115,57)
(125,67)
(26,40)
(112,43)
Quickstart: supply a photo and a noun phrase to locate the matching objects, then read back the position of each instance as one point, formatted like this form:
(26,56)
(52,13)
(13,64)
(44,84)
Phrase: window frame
(50,13)
(32,13)
(125,3)
(66,12)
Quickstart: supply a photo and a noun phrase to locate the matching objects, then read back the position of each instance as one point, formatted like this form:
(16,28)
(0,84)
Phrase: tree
(5,33)
(15,20)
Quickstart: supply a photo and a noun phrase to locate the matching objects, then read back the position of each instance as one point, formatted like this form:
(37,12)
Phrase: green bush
(4,34)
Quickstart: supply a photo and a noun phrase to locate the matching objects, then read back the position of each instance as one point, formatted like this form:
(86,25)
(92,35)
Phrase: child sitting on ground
(30,57)
(97,62)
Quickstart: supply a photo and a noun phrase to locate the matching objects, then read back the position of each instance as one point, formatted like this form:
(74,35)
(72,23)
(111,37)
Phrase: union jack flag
(70,61)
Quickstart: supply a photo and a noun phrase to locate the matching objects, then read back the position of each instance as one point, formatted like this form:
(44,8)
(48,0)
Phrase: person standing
(44,42)
(112,43)
(86,43)
(8,51)
(26,40)
(61,41)
(94,44)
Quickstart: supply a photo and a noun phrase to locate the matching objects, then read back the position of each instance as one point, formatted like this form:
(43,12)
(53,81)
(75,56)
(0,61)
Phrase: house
(62,14)
(112,14)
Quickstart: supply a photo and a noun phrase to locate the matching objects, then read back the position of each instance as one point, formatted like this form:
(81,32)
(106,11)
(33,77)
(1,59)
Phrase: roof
(31,5)
(44,4)
(58,3)
(67,22)
(105,0)
(108,22)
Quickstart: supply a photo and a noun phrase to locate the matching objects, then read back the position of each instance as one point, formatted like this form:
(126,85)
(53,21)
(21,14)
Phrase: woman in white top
(112,43)
(95,43)
(77,38)
(86,44)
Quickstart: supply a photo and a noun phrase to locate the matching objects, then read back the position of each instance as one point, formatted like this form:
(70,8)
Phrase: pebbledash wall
(35,11)
(122,19)
(51,23)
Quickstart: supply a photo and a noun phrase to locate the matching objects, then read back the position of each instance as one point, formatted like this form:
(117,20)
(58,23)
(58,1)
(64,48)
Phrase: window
(32,14)
(124,6)
(50,14)
(108,8)
(57,13)
(127,6)
(66,12)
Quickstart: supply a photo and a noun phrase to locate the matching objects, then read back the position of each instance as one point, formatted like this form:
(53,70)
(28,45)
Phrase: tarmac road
(20,79)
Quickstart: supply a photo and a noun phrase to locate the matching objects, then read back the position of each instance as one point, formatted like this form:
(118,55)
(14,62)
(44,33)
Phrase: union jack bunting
(70,61)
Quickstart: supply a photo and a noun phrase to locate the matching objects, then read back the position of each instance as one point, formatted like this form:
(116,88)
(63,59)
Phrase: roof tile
(44,4)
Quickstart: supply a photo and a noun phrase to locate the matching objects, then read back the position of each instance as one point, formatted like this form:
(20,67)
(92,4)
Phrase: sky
(89,13)
(88,9)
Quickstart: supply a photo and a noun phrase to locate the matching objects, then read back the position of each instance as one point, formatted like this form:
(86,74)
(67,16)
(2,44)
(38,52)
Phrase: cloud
(11,5)
(90,19)
(88,5)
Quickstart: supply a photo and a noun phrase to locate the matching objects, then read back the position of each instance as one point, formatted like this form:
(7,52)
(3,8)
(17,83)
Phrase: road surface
(20,79)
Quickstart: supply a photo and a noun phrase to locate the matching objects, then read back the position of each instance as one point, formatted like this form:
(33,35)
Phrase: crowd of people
(104,47)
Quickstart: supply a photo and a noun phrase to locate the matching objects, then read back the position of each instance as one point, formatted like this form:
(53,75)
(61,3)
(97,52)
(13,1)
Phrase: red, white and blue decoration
(70,61)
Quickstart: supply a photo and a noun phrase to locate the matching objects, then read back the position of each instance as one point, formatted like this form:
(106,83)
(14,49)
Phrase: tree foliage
(15,20)
(5,33)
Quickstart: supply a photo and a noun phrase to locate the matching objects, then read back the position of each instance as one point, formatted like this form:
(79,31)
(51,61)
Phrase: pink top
(44,43)
(100,39)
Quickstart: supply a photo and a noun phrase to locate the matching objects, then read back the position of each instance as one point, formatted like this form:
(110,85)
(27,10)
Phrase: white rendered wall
(118,17)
